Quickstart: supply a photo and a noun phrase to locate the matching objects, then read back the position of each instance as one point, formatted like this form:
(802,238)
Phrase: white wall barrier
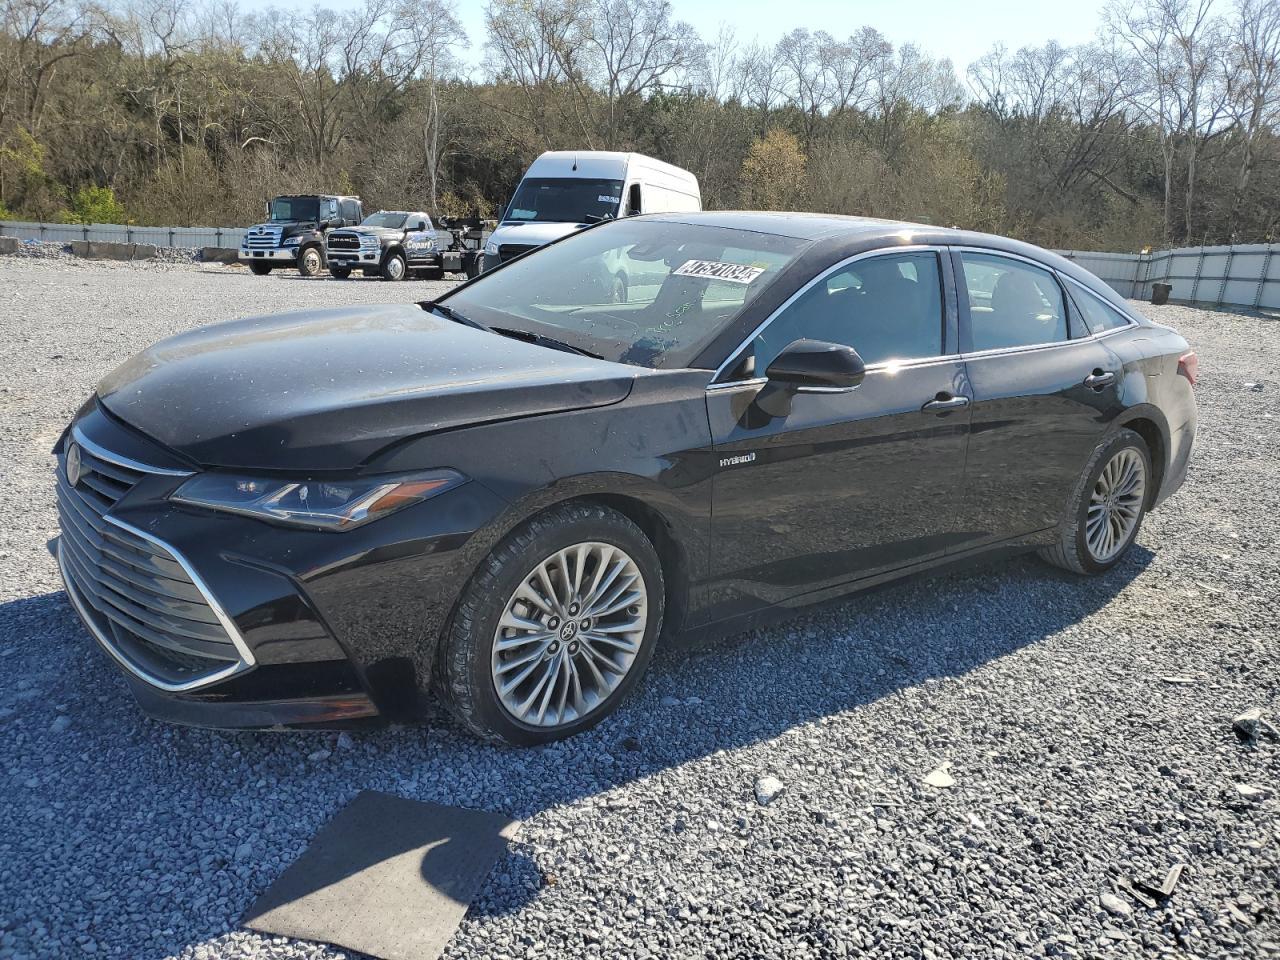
(1246,275)
(122,233)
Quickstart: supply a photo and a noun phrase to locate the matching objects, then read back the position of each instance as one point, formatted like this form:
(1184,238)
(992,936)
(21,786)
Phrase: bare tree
(1180,86)
(1254,58)
(39,35)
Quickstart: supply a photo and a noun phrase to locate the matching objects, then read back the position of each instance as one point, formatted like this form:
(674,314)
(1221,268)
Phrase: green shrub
(95,205)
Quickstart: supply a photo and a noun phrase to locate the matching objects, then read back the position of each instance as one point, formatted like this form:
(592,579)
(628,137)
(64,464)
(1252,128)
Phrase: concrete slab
(387,877)
(103,250)
(219,254)
(9,244)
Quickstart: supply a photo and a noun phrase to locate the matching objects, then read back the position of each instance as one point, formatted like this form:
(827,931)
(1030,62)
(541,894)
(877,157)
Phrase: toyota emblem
(73,464)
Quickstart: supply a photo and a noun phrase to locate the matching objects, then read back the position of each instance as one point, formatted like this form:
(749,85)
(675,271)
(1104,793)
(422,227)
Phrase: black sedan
(667,425)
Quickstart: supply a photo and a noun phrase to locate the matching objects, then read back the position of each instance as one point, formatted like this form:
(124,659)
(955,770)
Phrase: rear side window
(886,308)
(1012,303)
(1099,317)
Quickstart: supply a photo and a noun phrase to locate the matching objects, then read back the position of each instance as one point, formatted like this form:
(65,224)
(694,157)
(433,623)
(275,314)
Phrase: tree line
(190,112)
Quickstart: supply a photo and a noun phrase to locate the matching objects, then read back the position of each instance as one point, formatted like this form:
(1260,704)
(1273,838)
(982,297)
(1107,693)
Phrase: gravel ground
(1085,727)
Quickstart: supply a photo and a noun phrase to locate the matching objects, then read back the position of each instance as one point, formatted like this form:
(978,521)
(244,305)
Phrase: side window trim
(950,297)
(966,316)
(1073,286)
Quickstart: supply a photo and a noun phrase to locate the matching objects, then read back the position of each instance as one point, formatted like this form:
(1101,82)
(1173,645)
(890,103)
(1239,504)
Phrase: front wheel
(310,261)
(259,269)
(393,268)
(555,628)
(1106,508)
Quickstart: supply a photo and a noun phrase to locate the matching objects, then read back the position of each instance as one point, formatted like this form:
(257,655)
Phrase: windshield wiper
(451,314)
(542,340)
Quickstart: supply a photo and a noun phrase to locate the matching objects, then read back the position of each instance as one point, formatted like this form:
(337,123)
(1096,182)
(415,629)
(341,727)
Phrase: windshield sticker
(711,270)
(607,199)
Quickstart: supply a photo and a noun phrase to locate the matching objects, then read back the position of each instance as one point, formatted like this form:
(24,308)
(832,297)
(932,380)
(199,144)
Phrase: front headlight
(328,504)
(290,241)
(491,248)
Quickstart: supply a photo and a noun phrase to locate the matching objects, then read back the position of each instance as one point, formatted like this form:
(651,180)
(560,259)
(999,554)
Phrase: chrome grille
(263,237)
(346,241)
(134,594)
(509,251)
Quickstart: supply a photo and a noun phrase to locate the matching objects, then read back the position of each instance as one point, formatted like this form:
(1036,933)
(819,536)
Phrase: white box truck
(566,190)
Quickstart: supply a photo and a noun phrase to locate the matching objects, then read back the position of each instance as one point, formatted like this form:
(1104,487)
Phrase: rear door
(850,482)
(1044,391)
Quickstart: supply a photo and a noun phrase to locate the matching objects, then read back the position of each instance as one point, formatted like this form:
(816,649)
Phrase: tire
(339,273)
(259,269)
(468,666)
(619,291)
(310,261)
(1091,549)
(394,268)
(471,267)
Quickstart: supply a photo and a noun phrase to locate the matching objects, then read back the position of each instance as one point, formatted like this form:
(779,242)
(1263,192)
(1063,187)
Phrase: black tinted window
(350,211)
(1012,303)
(1098,316)
(886,308)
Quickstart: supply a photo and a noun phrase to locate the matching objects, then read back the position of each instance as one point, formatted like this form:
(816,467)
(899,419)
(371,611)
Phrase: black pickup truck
(394,244)
(294,236)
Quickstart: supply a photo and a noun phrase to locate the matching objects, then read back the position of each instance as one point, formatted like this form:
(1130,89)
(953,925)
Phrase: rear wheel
(1106,508)
(310,261)
(259,269)
(393,268)
(555,628)
(339,273)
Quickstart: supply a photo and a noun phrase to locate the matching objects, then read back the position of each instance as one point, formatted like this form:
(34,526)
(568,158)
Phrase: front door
(847,483)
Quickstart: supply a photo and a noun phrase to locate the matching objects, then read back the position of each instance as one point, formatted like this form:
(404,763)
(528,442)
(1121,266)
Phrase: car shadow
(124,777)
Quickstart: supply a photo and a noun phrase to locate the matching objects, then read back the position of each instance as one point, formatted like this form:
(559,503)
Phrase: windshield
(646,292)
(295,208)
(384,219)
(564,200)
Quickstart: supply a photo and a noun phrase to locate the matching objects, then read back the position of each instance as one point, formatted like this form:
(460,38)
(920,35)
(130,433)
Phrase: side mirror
(808,365)
(816,363)
(422,225)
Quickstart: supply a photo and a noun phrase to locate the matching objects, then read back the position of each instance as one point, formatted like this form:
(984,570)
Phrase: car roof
(869,233)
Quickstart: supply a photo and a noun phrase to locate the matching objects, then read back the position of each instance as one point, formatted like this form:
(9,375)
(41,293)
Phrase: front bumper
(269,255)
(331,629)
(354,259)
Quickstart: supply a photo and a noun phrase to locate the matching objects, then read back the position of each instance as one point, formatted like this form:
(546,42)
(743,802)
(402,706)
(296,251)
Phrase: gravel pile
(975,764)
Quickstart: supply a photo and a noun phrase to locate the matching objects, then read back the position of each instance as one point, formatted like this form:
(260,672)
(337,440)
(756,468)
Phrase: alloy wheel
(1115,505)
(569,634)
(311,262)
(395,269)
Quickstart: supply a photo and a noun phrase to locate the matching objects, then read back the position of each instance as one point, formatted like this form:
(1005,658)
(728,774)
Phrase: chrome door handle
(946,404)
(1099,379)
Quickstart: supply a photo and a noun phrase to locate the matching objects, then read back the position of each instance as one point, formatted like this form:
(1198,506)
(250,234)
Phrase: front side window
(887,308)
(350,211)
(1012,303)
(394,221)
(648,292)
(1099,317)
(565,200)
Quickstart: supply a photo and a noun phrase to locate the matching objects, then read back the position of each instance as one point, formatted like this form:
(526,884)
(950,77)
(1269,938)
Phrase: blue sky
(960,29)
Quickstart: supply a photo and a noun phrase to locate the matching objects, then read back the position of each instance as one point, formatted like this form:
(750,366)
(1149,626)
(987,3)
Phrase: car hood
(530,232)
(371,231)
(328,389)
